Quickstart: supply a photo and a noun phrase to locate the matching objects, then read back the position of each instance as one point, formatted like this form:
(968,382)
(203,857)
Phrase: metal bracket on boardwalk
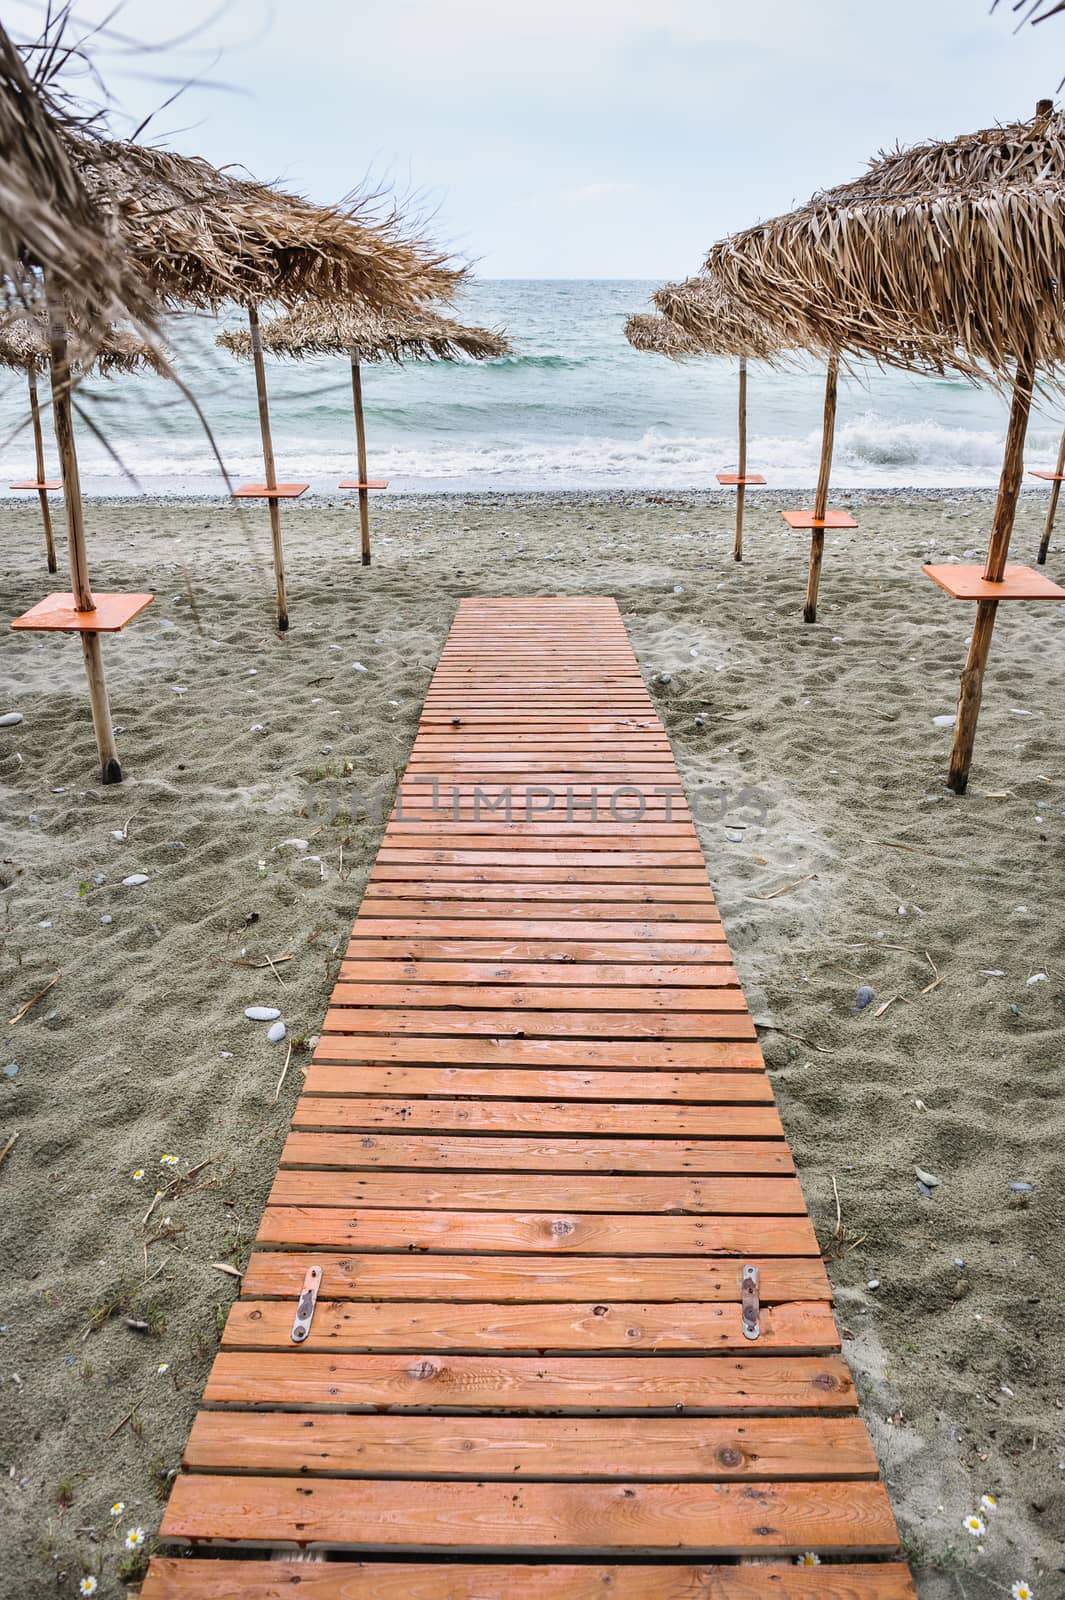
(307,1302)
(750,1305)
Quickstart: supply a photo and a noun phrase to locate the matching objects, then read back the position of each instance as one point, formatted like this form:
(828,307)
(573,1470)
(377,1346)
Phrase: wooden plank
(408,1150)
(615,1025)
(591,974)
(689,1090)
(579,1117)
(368,942)
(668,1280)
(349,1580)
(588,1328)
(353,1514)
(564,1232)
(713,1064)
(493,1191)
(537,997)
(640,1449)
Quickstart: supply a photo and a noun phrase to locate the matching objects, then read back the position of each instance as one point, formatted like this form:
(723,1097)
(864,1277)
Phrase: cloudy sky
(578,138)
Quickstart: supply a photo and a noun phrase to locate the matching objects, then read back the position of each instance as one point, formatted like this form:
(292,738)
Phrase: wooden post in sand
(741,469)
(972,678)
(268,463)
(1052,508)
(360,447)
(38,447)
(110,770)
(817,537)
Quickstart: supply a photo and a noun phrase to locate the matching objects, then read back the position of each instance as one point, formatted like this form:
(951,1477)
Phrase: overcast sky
(580,138)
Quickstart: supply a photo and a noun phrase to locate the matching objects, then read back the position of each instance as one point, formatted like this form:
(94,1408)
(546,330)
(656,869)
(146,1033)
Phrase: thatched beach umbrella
(722,326)
(368,336)
(947,256)
(60,246)
(204,236)
(24,347)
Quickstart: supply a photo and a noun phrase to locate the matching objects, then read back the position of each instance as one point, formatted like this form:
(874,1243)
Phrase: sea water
(573,407)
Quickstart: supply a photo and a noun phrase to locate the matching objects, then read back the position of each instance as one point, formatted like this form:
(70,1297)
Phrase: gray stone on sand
(864,996)
(134,879)
(261,1013)
(276,1032)
(945,721)
(10,719)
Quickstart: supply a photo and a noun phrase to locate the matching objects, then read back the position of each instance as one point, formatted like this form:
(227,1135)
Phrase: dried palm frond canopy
(946,255)
(204,236)
(720,324)
(659,336)
(24,344)
(369,336)
(48,220)
(1037,10)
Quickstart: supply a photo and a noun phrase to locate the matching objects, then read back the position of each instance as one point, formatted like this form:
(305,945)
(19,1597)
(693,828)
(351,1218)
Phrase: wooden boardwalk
(536,1148)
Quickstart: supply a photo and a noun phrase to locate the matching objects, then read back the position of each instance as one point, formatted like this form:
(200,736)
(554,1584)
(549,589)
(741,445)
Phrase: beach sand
(838,857)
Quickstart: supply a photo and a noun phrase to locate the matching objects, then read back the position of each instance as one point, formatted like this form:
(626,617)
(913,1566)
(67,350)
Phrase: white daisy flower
(974,1526)
(138,1176)
(809,1558)
(988,1504)
(118,1508)
(169,1161)
(134,1538)
(88,1585)
(164,1366)
(1022,1590)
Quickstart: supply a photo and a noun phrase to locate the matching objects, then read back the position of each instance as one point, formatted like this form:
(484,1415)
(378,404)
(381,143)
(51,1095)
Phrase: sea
(572,408)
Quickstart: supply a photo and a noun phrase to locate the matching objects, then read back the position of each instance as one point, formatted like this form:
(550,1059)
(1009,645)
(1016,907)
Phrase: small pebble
(927,1178)
(734,834)
(134,879)
(874,1283)
(945,722)
(276,1032)
(1022,1188)
(10,719)
(678,588)
(865,995)
(357,666)
(11,1070)
(261,1013)
(106,920)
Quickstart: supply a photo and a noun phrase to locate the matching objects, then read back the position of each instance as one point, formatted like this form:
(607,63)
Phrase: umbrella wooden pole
(110,770)
(38,446)
(741,466)
(1009,488)
(360,449)
(268,463)
(1052,508)
(817,538)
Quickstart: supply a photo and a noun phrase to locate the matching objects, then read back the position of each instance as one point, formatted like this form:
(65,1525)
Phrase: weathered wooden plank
(514,1279)
(543,997)
(369,942)
(352,1514)
(580,1116)
(199,1579)
(738,1157)
(494,1191)
(588,1328)
(426,1022)
(489,1232)
(717,1064)
(593,975)
(689,1090)
(699,1449)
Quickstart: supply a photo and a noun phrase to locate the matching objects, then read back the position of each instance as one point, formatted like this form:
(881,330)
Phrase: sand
(235,741)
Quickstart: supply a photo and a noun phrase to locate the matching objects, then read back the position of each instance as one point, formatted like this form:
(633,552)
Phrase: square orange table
(967,582)
(31,483)
(371,483)
(56,614)
(261,491)
(735,477)
(831,519)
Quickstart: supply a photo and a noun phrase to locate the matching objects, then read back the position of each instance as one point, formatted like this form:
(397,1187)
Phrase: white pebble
(297,844)
(106,920)
(945,722)
(276,1033)
(357,666)
(10,719)
(134,879)
(261,1013)
(874,1283)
